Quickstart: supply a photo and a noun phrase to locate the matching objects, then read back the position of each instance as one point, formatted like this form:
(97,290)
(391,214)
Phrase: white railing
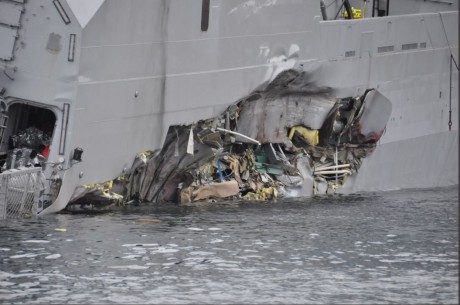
(20,191)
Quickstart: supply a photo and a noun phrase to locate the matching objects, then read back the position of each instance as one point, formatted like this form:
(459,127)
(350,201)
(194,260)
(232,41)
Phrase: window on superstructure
(385,49)
(409,46)
(350,53)
(205,15)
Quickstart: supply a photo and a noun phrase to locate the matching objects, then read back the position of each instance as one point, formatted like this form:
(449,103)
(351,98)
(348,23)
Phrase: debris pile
(95,196)
(289,138)
(31,137)
(27,148)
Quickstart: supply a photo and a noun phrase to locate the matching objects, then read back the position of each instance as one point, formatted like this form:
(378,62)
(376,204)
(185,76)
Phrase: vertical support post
(322,5)
(24,194)
(35,207)
(336,160)
(205,15)
(64,126)
(450,93)
(13,160)
(3,181)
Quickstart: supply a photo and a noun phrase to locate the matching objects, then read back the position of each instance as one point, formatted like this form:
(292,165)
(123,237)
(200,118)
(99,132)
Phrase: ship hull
(412,163)
(140,66)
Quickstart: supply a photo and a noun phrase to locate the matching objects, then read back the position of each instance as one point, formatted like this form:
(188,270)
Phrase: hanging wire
(450,91)
(332,2)
(338,12)
(452,59)
(447,40)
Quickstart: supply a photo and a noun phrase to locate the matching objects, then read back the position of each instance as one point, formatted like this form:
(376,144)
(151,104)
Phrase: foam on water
(37,241)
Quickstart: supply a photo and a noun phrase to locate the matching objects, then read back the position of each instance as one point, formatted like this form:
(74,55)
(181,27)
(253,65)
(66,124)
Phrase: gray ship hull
(117,73)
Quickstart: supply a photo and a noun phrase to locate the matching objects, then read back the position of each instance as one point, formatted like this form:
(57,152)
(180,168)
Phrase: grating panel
(20,191)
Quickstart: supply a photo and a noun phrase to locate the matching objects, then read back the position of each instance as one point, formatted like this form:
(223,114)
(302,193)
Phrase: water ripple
(396,247)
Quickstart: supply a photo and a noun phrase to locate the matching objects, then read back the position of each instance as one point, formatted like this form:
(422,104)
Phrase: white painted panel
(330,38)
(211,89)
(194,56)
(7,37)
(41,74)
(236,52)
(366,43)
(240,17)
(416,162)
(84,10)
(121,62)
(120,22)
(438,6)
(116,100)
(434,30)
(10,13)
(450,24)
(110,146)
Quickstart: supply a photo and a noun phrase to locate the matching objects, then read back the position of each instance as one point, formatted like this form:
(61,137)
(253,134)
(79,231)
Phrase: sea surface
(390,247)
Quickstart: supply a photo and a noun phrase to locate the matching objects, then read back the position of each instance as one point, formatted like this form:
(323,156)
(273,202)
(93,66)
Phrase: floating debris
(148,220)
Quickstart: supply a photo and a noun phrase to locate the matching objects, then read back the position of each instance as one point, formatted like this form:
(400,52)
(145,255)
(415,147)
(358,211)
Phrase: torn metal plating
(290,138)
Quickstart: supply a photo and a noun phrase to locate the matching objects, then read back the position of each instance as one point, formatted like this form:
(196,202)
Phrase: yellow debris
(146,154)
(148,220)
(251,196)
(310,135)
(61,229)
(267,193)
(357,13)
(270,193)
(108,185)
(105,190)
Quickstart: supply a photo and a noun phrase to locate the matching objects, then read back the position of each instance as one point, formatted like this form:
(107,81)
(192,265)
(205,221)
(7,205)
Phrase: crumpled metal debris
(139,173)
(96,190)
(289,138)
(98,196)
(223,189)
(31,137)
(26,157)
(25,148)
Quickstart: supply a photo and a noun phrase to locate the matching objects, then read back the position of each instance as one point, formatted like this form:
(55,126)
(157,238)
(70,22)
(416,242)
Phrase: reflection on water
(399,247)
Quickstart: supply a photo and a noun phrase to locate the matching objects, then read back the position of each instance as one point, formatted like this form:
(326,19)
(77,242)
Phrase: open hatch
(26,134)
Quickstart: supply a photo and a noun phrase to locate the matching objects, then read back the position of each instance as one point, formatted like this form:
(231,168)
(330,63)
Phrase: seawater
(389,247)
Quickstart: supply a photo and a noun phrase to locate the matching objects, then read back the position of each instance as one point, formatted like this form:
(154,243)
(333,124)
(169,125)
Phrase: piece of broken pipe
(238,134)
(190,142)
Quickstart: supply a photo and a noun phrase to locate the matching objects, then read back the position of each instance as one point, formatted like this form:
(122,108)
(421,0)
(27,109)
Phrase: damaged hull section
(289,138)
(70,69)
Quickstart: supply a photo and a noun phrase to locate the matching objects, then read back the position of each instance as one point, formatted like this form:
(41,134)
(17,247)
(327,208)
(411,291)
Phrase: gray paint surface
(181,74)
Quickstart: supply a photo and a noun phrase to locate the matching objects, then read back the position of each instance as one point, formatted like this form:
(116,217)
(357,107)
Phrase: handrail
(20,191)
